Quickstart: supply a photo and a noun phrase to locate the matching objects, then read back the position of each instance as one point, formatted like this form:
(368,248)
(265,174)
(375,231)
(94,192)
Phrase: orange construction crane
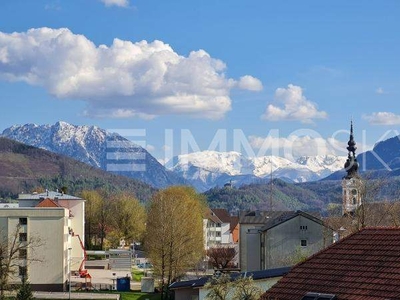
(83,273)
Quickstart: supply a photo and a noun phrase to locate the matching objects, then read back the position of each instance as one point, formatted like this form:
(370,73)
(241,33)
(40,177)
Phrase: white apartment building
(49,217)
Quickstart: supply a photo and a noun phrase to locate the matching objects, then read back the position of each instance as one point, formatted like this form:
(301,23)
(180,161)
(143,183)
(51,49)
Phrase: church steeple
(351,165)
(351,183)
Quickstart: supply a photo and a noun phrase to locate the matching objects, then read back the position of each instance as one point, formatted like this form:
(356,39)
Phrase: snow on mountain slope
(204,169)
(96,147)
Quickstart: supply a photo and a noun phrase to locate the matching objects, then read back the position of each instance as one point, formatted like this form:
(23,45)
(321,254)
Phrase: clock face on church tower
(354,191)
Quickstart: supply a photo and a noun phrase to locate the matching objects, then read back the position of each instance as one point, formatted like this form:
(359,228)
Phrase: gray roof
(256,275)
(50,194)
(273,218)
(286,216)
(260,217)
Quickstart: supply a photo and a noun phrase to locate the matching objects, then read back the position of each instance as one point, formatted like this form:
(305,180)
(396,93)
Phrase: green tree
(127,218)
(24,292)
(174,232)
(245,289)
(93,206)
(218,287)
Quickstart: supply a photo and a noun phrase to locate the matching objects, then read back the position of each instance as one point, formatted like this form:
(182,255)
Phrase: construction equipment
(83,273)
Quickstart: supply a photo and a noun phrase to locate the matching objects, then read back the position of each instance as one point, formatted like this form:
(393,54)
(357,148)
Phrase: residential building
(364,265)
(220,228)
(55,220)
(278,239)
(195,290)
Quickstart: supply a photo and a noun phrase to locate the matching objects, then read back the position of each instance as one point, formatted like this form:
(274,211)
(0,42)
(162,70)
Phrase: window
(23,271)
(218,224)
(303,243)
(23,253)
(23,237)
(303,227)
(23,221)
(218,233)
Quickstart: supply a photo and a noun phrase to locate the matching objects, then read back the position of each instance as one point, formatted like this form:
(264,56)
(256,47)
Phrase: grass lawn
(139,296)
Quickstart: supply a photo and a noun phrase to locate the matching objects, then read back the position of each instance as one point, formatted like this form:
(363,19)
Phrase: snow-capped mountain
(207,169)
(96,147)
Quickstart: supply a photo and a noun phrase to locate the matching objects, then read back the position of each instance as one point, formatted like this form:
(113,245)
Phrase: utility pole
(270,186)
(69,273)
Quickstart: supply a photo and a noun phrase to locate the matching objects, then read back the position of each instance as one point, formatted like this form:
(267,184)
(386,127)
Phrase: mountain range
(98,148)
(208,169)
(203,170)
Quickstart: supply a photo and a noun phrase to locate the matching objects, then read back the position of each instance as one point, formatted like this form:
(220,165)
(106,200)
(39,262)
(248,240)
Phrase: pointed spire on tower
(351,164)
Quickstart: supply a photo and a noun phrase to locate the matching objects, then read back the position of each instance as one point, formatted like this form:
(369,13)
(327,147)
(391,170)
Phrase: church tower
(351,183)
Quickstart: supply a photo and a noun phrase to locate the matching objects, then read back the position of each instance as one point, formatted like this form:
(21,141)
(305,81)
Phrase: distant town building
(220,228)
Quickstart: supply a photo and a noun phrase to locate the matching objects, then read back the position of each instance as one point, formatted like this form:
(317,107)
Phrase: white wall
(48,226)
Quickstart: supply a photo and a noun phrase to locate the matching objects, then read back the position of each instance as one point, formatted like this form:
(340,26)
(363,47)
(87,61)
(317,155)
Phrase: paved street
(47,295)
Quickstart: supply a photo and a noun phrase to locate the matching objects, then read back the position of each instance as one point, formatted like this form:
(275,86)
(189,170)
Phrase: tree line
(170,227)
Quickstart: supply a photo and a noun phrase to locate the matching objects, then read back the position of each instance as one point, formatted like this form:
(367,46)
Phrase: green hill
(24,168)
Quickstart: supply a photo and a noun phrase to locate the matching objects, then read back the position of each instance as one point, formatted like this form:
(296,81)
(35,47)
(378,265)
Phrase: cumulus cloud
(295,107)
(382,118)
(126,79)
(120,3)
(295,146)
(380,91)
(305,143)
(250,83)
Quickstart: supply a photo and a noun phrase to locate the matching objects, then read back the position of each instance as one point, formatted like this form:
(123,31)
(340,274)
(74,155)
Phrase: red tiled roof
(363,266)
(48,203)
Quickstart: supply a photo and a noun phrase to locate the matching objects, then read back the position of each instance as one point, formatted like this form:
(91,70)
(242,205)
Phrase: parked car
(146,265)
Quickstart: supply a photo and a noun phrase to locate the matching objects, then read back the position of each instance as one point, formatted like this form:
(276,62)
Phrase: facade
(351,183)
(55,220)
(283,239)
(219,228)
(194,289)
(364,265)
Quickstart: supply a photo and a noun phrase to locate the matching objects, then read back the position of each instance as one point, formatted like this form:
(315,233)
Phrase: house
(194,289)
(273,239)
(364,265)
(57,221)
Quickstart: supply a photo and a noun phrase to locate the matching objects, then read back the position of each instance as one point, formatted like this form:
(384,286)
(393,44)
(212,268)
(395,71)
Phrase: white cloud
(126,79)
(296,107)
(382,118)
(150,148)
(250,83)
(380,91)
(296,146)
(120,3)
(166,148)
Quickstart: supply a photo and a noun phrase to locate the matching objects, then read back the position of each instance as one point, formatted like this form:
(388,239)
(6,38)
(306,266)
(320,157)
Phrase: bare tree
(13,257)
(221,257)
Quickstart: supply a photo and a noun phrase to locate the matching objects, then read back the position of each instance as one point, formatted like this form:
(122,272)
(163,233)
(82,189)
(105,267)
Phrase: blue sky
(270,71)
